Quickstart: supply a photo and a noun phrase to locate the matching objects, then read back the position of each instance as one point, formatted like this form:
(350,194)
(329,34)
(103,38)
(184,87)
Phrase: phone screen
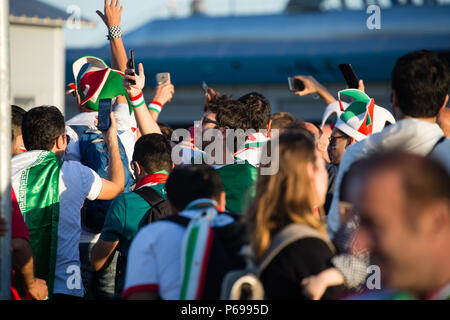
(104,111)
(349,75)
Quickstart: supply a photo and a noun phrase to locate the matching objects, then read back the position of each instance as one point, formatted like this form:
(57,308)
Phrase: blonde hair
(287,196)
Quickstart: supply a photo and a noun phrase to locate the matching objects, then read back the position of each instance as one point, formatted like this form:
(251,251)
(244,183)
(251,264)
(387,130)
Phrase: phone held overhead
(162,78)
(349,75)
(295,84)
(104,114)
(130,65)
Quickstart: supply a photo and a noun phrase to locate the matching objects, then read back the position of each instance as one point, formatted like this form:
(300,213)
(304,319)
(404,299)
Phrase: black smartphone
(104,112)
(295,84)
(349,75)
(130,65)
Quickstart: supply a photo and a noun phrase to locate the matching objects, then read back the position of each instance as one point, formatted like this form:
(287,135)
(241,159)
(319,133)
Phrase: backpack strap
(441,139)
(285,237)
(152,197)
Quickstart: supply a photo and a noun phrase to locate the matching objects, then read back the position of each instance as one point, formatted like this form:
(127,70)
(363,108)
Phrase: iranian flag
(36,182)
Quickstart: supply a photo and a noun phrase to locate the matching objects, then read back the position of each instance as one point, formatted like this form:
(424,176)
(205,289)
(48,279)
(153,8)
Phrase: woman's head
(293,194)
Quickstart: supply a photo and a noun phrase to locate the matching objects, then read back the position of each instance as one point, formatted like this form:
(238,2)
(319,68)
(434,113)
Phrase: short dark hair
(153,153)
(41,126)
(420,80)
(259,109)
(187,183)
(281,120)
(233,114)
(215,103)
(16,120)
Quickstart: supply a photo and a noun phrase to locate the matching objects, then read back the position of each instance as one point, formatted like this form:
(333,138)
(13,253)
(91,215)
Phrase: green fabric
(39,202)
(189,256)
(239,182)
(124,218)
(113,88)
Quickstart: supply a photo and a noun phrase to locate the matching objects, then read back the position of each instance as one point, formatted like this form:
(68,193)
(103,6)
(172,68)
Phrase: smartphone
(295,84)
(349,75)
(104,111)
(130,65)
(205,87)
(162,78)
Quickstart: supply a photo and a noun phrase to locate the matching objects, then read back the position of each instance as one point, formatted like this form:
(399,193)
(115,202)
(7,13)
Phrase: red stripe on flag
(140,288)
(205,265)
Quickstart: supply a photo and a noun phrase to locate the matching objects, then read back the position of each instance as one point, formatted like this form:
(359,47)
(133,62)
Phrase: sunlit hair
(287,196)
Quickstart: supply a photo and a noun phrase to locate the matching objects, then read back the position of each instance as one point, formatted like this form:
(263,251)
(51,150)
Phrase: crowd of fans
(111,215)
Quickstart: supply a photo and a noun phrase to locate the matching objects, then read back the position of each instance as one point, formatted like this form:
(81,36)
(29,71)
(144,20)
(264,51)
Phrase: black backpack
(225,254)
(159,210)
(159,206)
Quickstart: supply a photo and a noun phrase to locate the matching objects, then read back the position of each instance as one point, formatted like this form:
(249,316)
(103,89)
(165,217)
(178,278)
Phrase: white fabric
(125,123)
(410,135)
(253,154)
(76,183)
(154,258)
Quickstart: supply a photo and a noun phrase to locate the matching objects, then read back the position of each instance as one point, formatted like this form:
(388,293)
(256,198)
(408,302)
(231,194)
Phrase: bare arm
(146,123)
(101,253)
(312,86)
(114,186)
(315,286)
(163,95)
(23,262)
(111,17)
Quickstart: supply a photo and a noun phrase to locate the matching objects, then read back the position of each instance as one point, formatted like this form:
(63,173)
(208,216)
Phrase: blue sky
(138,12)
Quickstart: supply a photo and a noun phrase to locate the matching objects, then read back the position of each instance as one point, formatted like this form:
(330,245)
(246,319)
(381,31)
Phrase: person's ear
(60,142)
(137,169)
(445,102)
(268,127)
(222,202)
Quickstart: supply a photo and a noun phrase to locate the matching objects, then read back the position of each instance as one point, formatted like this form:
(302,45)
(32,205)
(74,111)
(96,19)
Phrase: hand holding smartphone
(349,75)
(104,114)
(295,84)
(162,78)
(205,87)
(130,65)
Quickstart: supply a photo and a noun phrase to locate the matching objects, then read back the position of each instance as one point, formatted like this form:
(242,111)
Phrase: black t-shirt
(300,259)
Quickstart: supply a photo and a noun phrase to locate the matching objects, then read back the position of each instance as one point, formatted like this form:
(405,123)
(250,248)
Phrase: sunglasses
(207,120)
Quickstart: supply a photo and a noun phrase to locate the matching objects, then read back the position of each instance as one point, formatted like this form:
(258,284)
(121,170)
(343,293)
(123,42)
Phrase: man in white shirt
(420,84)
(51,193)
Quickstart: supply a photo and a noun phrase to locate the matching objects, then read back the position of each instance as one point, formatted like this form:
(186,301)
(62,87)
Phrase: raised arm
(312,86)
(146,123)
(111,16)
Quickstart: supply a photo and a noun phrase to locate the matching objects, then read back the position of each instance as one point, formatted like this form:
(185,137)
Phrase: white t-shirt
(76,183)
(154,258)
(125,125)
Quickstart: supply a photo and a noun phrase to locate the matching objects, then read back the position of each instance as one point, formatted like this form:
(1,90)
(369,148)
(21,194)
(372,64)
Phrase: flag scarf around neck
(152,179)
(253,148)
(195,249)
(97,82)
(39,203)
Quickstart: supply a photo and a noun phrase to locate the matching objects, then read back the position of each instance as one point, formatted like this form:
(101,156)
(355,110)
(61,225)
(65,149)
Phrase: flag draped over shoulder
(38,197)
